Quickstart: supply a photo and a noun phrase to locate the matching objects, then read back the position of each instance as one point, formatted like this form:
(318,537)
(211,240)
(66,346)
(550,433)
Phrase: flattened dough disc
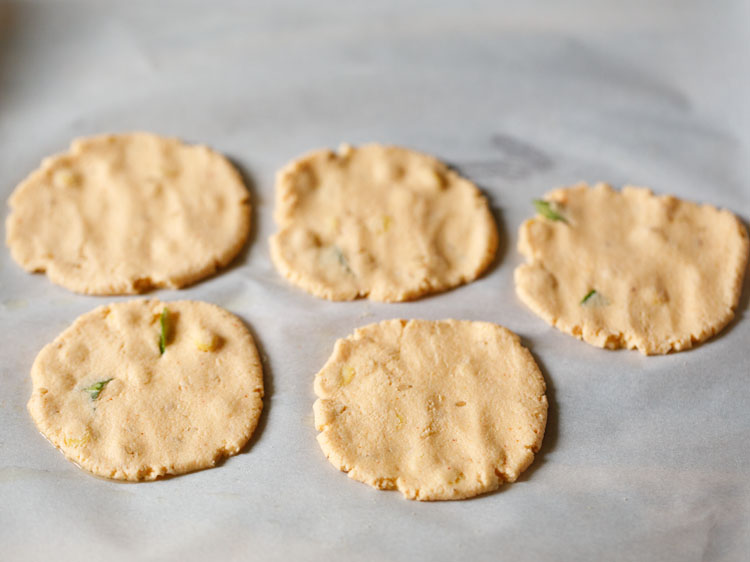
(380,222)
(121,214)
(630,269)
(112,403)
(438,410)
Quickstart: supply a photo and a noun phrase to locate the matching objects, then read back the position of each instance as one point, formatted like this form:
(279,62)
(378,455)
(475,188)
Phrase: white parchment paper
(644,458)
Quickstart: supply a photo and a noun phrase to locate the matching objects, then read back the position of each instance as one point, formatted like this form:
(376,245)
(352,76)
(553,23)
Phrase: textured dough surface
(159,414)
(438,410)
(667,273)
(381,222)
(120,214)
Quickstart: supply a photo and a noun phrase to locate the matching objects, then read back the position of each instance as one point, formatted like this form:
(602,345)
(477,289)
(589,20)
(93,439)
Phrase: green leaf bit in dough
(342,259)
(96,389)
(548,210)
(164,321)
(590,294)
(594,298)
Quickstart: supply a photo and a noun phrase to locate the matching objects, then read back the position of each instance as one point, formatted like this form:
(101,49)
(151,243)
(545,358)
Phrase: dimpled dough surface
(159,414)
(667,273)
(381,222)
(120,214)
(438,410)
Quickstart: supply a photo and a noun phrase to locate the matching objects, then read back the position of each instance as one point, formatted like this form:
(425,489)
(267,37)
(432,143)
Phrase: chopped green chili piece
(548,209)
(164,321)
(590,294)
(96,389)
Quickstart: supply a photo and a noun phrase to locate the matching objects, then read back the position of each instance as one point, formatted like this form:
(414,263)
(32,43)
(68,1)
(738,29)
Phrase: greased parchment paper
(645,458)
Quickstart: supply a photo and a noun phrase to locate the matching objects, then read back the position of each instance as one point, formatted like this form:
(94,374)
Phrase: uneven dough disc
(120,214)
(159,414)
(438,410)
(666,273)
(381,222)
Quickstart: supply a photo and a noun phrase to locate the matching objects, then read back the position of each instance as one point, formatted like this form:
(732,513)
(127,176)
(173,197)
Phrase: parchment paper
(644,458)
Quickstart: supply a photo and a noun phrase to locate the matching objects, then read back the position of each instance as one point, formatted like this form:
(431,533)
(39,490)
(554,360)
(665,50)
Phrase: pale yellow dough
(120,214)
(438,410)
(380,222)
(159,414)
(667,273)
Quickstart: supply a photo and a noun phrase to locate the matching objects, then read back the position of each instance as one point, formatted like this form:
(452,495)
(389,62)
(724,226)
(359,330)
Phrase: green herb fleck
(164,321)
(96,389)
(342,259)
(548,209)
(590,294)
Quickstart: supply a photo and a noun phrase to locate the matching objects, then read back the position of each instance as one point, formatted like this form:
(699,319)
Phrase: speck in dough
(632,269)
(113,403)
(439,410)
(381,222)
(121,214)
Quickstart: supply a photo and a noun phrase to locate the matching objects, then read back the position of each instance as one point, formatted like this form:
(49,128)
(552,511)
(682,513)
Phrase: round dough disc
(438,410)
(380,222)
(121,214)
(113,404)
(630,269)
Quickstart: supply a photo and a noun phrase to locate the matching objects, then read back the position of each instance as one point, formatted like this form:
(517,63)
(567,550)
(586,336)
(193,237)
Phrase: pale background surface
(645,458)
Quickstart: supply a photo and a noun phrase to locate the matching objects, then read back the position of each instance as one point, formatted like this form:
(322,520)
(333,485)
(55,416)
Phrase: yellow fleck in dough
(159,414)
(380,222)
(658,274)
(120,214)
(347,374)
(438,410)
(205,339)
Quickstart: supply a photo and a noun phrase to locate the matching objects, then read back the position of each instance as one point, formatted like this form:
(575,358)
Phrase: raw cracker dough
(120,214)
(438,410)
(667,273)
(160,414)
(381,222)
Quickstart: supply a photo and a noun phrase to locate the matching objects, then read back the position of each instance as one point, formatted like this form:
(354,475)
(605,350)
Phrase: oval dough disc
(381,222)
(438,410)
(113,404)
(120,214)
(630,269)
